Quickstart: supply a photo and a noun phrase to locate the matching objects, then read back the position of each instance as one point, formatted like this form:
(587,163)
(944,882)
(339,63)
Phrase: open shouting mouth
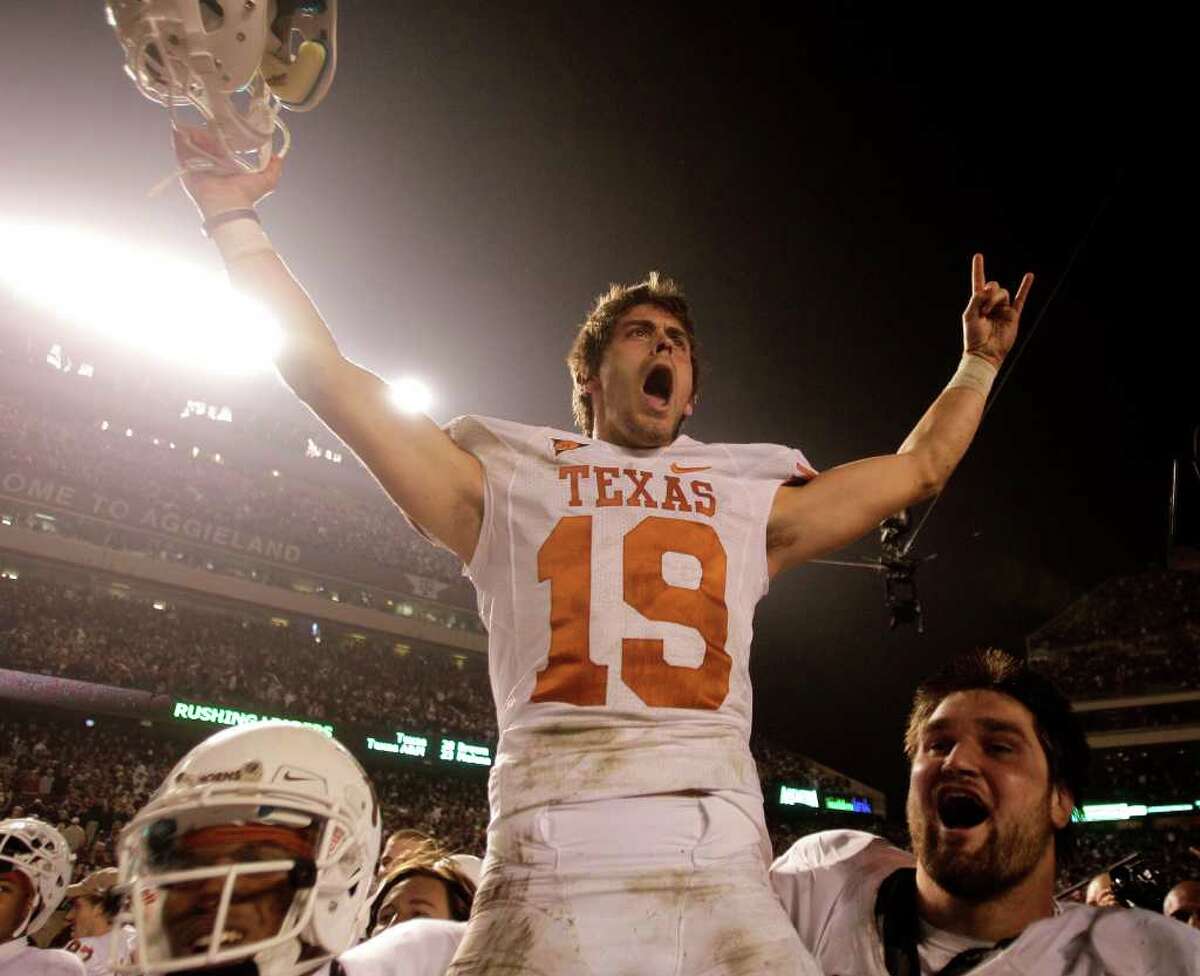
(960,809)
(659,383)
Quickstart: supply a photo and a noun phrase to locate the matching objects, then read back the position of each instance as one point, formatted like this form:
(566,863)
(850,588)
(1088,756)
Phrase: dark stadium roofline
(1101,594)
(1133,701)
(1159,736)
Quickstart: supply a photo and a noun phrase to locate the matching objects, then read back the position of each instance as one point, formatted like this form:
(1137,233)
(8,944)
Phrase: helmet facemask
(213,881)
(40,853)
(21,876)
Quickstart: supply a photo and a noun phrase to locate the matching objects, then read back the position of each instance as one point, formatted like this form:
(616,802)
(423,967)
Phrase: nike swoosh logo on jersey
(680,469)
(298,779)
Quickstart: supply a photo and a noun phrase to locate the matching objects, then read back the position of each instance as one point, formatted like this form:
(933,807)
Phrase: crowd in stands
(1146,774)
(1127,608)
(1131,635)
(1159,663)
(357,534)
(454,809)
(96,779)
(1141,716)
(87,781)
(778,764)
(241,662)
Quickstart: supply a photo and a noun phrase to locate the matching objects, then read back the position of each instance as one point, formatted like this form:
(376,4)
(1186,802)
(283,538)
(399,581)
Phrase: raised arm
(437,484)
(843,504)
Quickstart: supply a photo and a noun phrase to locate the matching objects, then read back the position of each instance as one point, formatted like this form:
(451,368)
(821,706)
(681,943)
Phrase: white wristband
(238,238)
(974,372)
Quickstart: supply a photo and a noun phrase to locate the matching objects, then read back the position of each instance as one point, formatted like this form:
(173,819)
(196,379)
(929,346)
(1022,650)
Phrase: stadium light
(156,303)
(411,395)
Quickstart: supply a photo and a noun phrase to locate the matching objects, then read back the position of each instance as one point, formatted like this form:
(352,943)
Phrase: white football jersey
(18,958)
(829,882)
(94,951)
(618,587)
(419,947)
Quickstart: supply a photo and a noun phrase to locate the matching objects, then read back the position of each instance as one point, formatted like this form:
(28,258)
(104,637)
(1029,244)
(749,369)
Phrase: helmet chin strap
(282,960)
(245,968)
(23,929)
(287,960)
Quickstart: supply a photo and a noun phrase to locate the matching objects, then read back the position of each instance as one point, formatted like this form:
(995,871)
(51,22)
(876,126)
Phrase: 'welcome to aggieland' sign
(26,486)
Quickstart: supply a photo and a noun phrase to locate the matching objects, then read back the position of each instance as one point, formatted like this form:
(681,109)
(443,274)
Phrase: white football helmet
(234,61)
(43,855)
(269,802)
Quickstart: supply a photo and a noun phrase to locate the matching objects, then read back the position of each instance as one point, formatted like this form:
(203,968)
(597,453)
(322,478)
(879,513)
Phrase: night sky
(816,179)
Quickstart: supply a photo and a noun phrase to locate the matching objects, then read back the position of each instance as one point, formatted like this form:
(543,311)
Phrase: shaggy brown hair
(594,335)
(1058,731)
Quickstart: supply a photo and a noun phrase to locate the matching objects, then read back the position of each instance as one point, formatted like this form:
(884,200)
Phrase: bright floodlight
(138,297)
(411,395)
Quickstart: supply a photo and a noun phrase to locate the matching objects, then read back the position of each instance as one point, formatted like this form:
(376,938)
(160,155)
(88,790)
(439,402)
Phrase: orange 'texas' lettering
(604,497)
(639,496)
(676,499)
(642,489)
(574,472)
(706,503)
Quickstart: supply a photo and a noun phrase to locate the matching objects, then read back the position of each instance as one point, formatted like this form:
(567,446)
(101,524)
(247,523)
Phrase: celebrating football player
(618,568)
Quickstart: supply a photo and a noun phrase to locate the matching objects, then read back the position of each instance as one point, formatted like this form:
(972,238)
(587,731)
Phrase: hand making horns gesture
(990,319)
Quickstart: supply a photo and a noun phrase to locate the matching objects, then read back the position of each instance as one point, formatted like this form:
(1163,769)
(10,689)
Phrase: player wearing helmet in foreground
(35,866)
(254,858)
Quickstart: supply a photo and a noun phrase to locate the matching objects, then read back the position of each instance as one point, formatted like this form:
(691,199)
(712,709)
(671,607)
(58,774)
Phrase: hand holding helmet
(234,64)
(215,191)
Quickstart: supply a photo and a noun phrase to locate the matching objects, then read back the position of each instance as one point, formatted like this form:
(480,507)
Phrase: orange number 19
(572,677)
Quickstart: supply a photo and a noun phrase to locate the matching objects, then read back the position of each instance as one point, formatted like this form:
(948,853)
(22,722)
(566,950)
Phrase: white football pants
(671,885)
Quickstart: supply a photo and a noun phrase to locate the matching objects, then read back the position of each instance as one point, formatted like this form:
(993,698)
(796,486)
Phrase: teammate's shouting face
(15,895)
(259,900)
(981,808)
(643,388)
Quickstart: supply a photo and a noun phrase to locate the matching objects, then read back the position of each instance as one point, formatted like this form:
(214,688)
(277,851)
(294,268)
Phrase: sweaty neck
(1003,916)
